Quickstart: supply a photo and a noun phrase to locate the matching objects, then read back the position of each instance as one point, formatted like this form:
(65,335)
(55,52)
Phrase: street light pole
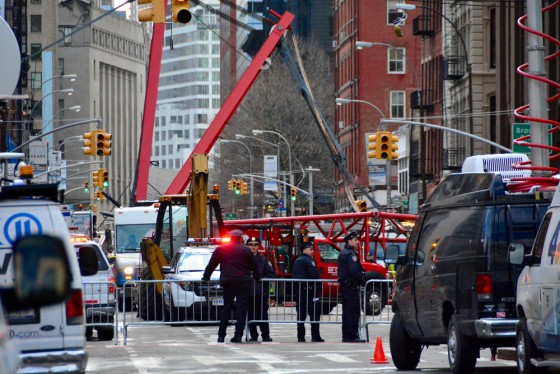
(310,196)
(258,132)
(465,51)
(252,186)
(75,108)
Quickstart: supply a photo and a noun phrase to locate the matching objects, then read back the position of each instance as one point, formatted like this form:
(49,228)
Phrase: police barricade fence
(100,306)
(376,299)
(198,302)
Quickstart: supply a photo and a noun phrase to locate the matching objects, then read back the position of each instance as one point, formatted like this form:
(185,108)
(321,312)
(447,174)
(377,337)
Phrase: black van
(454,284)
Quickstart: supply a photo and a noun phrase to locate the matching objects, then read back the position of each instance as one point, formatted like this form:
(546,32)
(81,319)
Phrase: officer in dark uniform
(259,294)
(238,268)
(307,293)
(351,276)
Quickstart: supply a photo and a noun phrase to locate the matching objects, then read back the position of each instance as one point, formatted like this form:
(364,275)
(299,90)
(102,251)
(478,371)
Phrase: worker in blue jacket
(351,276)
(259,294)
(307,293)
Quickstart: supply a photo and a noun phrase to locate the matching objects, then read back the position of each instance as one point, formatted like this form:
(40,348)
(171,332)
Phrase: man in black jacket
(307,293)
(238,268)
(259,294)
(351,276)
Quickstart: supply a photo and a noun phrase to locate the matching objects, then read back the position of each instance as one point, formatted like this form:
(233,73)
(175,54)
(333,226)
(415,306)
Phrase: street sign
(280,204)
(524,129)
(231,216)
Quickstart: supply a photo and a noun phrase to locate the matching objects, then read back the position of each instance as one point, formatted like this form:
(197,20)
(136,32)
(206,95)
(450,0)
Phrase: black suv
(454,284)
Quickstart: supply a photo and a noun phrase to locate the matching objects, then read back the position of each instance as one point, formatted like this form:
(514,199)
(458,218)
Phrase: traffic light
(237,186)
(230,184)
(98,195)
(243,188)
(180,11)
(89,143)
(86,187)
(103,144)
(97,179)
(388,145)
(362,205)
(372,146)
(294,194)
(103,178)
(154,13)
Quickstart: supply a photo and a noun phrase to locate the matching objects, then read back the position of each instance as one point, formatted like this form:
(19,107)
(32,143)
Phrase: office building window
(36,52)
(396,60)
(398,104)
(36,80)
(36,21)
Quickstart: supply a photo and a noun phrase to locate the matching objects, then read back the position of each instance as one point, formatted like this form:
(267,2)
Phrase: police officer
(307,293)
(259,294)
(238,268)
(351,276)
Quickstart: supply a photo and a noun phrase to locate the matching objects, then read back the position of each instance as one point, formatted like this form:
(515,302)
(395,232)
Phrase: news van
(48,337)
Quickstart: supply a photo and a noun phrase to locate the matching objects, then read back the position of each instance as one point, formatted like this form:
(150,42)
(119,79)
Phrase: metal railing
(101,305)
(198,302)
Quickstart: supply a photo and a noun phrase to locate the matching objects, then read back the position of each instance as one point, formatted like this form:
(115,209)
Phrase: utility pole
(537,89)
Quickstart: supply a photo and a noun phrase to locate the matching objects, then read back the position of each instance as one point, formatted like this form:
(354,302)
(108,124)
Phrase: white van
(48,337)
(538,295)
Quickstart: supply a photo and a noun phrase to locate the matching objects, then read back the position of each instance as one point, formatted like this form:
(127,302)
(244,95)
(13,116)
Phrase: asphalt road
(193,349)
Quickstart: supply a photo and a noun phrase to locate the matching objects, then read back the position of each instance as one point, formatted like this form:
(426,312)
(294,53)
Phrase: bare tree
(274,103)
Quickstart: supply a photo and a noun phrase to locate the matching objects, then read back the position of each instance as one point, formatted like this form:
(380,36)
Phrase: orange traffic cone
(378,353)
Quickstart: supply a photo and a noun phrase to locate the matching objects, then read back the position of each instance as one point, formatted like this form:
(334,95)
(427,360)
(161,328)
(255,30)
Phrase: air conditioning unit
(340,124)
(499,164)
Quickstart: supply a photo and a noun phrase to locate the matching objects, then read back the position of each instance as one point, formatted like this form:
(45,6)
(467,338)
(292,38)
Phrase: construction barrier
(377,299)
(174,302)
(100,306)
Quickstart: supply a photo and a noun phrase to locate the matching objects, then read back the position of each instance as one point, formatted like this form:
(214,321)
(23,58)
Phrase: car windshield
(193,262)
(130,236)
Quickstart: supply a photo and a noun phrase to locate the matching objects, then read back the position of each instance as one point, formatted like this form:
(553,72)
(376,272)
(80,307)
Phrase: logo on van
(21,224)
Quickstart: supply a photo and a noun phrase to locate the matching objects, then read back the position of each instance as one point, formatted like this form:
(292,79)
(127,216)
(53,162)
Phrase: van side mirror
(516,253)
(391,254)
(87,258)
(41,271)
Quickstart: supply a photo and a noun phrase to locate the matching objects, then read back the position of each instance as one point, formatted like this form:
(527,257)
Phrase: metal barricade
(198,302)
(101,305)
(173,302)
(376,297)
(319,296)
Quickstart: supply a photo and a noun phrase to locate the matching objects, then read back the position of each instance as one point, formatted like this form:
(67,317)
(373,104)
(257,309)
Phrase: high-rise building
(189,86)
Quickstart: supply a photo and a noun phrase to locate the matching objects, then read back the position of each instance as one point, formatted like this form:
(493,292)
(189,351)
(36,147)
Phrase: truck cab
(538,295)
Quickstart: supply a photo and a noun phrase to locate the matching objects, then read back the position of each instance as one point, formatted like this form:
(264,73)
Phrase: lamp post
(75,108)
(362,44)
(252,185)
(341,101)
(259,132)
(465,51)
(310,196)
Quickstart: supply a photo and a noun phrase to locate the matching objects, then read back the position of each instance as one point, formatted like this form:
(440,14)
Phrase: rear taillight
(484,287)
(111,285)
(75,308)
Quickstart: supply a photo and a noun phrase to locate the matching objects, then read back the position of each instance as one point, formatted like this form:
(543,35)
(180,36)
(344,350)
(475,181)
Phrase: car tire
(105,333)
(405,351)
(526,349)
(89,332)
(462,352)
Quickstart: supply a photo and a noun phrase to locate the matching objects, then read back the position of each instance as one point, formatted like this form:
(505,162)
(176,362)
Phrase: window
(202,118)
(36,51)
(156,136)
(187,134)
(396,60)
(398,104)
(36,80)
(163,136)
(392,12)
(60,66)
(66,30)
(36,21)
(199,133)
(156,151)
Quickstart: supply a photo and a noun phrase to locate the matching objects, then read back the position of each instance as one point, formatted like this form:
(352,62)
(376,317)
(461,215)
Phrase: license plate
(217,301)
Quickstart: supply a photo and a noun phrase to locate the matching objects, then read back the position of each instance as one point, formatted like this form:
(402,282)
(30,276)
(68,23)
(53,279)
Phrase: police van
(49,337)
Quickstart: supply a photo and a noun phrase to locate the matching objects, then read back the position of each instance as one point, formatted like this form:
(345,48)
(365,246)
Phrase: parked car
(454,285)
(185,296)
(98,292)
(538,296)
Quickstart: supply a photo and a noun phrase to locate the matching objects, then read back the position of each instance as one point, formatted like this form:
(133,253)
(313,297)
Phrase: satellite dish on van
(10,59)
